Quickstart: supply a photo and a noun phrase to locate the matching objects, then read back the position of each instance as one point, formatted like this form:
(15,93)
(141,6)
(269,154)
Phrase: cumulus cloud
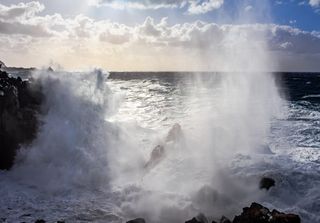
(21,10)
(197,7)
(84,37)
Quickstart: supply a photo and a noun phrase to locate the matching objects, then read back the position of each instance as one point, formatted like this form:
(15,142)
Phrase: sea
(98,131)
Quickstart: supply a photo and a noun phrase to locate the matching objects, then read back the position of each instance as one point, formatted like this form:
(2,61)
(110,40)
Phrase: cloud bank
(28,38)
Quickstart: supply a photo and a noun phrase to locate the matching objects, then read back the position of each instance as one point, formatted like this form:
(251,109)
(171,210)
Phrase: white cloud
(193,6)
(314,3)
(84,37)
(139,4)
(21,10)
(248,8)
(198,7)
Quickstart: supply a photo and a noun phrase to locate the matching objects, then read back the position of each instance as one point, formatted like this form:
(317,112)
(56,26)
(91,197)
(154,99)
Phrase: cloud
(248,8)
(139,4)
(193,6)
(314,3)
(21,10)
(91,41)
(203,7)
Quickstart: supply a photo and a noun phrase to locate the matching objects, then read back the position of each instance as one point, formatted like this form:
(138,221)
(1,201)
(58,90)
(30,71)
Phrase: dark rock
(137,220)
(256,213)
(20,104)
(193,220)
(224,220)
(50,69)
(40,221)
(201,218)
(266,183)
(60,221)
(285,218)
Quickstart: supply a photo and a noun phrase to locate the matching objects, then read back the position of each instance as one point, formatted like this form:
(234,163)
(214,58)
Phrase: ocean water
(88,161)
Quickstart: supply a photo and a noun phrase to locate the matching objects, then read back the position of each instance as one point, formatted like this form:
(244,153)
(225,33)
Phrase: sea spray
(197,176)
(75,138)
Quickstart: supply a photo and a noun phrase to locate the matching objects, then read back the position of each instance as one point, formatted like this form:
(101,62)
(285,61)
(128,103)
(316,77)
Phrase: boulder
(20,105)
(267,183)
(256,213)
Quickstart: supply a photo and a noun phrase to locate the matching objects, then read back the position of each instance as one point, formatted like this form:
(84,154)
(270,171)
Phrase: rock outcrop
(256,213)
(20,103)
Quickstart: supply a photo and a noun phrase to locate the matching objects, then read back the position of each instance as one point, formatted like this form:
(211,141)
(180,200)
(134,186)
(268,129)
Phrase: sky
(162,35)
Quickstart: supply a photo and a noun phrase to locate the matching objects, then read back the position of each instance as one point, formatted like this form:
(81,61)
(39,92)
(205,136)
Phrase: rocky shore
(256,213)
(20,105)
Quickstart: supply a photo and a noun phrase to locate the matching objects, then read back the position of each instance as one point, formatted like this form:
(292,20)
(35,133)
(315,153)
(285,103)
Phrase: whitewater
(97,133)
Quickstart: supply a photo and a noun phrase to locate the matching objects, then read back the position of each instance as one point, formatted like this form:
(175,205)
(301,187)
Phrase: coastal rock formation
(20,103)
(256,213)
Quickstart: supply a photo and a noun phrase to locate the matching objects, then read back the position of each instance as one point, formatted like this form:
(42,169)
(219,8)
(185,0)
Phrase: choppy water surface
(142,109)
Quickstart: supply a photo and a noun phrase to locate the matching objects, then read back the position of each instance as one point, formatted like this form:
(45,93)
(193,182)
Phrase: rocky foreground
(20,105)
(256,213)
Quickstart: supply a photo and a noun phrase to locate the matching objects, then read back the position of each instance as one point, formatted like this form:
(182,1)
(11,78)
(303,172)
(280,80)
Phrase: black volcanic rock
(225,220)
(256,213)
(137,220)
(201,218)
(266,183)
(20,104)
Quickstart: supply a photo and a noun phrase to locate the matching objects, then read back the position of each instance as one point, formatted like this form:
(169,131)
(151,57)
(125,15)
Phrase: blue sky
(118,29)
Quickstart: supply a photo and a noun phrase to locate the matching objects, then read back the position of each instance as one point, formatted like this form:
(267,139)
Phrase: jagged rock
(266,183)
(193,220)
(224,220)
(201,218)
(137,220)
(20,104)
(256,213)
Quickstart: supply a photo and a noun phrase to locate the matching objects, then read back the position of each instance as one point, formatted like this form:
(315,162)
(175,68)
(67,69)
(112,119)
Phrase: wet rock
(278,217)
(193,220)
(256,213)
(201,218)
(225,220)
(266,183)
(137,220)
(20,104)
